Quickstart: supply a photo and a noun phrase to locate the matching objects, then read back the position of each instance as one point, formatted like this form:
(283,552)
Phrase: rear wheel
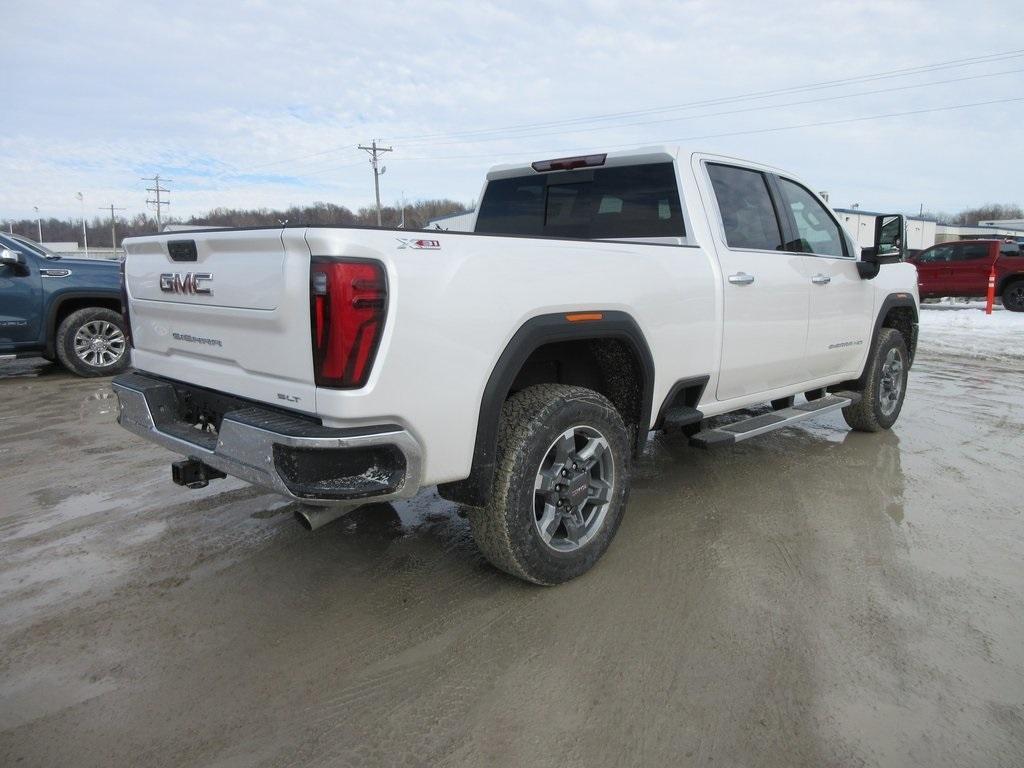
(1013,296)
(885,385)
(92,342)
(561,484)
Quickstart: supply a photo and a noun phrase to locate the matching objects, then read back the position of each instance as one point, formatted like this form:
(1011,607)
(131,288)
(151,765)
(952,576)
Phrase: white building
(1014,224)
(921,233)
(947,232)
(454,222)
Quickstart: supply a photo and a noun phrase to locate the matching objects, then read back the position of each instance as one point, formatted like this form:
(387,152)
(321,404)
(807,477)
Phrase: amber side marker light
(584,317)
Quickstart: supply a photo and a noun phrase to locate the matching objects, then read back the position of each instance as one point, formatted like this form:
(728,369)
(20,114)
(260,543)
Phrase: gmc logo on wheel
(188,283)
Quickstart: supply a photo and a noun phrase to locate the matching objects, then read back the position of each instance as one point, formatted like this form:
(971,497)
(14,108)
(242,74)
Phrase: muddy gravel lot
(813,597)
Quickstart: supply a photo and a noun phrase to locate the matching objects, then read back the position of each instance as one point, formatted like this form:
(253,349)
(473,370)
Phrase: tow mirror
(889,247)
(12,257)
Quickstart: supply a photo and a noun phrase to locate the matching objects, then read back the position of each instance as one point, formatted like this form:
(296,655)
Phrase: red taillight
(124,304)
(348,304)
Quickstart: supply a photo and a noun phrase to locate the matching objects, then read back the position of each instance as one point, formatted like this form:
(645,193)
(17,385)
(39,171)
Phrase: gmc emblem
(189,282)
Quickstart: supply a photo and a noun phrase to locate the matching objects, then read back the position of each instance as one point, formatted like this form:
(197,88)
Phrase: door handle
(741,278)
(821,279)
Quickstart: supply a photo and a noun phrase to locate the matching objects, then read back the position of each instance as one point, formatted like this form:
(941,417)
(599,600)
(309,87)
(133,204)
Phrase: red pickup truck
(962,268)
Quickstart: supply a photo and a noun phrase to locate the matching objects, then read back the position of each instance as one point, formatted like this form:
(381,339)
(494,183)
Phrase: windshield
(37,248)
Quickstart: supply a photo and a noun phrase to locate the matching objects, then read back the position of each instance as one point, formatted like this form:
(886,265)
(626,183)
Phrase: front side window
(816,231)
(748,215)
(631,201)
(937,253)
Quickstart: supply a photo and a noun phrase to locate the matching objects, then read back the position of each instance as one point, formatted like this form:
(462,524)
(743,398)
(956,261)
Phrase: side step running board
(768,422)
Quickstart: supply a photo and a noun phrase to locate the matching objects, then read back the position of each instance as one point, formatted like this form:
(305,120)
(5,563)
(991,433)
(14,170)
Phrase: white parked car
(519,367)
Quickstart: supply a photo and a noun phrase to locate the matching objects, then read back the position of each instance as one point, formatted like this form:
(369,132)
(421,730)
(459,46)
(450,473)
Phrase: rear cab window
(620,202)
(748,214)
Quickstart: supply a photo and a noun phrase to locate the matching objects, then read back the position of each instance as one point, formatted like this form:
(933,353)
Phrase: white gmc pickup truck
(519,367)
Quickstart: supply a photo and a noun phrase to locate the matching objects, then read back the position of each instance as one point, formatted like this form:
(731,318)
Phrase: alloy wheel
(573,488)
(99,343)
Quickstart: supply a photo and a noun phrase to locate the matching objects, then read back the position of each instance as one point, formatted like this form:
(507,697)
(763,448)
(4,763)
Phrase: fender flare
(57,301)
(1006,280)
(892,301)
(533,334)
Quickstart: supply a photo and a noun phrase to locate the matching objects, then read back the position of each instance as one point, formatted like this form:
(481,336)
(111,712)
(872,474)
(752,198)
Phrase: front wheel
(1013,296)
(92,342)
(560,487)
(885,386)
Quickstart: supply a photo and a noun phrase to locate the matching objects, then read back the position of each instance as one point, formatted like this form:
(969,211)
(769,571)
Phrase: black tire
(879,406)
(783,402)
(1013,296)
(109,358)
(534,424)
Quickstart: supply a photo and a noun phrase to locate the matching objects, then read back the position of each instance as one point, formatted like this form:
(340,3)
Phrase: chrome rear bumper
(291,455)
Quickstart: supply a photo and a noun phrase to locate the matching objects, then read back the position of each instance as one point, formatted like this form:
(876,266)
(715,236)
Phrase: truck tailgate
(229,311)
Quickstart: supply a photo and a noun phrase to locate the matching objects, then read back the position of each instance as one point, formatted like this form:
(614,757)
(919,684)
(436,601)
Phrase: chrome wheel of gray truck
(92,342)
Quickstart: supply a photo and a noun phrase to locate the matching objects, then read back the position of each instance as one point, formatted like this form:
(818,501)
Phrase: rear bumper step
(728,434)
(291,455)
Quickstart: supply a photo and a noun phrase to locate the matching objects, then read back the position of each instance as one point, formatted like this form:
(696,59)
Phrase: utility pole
(113,226)
(378,170)
(39,225)
(157,190)
(85,235)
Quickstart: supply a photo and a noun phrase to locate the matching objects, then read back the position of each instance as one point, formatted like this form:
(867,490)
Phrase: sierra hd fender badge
(187,282)
(423,245)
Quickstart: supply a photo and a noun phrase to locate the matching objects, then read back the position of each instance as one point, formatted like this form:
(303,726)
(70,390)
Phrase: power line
(422,139)
(333,167)
(905,72)
(650,142)
(113,224)
(760,108)
(378,170)
(157,190)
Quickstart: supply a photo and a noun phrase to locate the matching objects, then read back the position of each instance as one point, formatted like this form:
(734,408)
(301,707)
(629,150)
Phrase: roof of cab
(653,154)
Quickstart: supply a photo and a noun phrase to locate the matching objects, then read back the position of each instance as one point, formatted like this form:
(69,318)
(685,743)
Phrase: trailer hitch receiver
(192,473)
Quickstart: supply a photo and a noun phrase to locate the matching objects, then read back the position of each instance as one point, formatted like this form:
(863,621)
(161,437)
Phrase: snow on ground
(963,328)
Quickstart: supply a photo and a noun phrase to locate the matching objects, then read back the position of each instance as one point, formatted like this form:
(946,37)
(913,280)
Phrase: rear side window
(971,251)
(605,203)
(1009,249)
(748,215)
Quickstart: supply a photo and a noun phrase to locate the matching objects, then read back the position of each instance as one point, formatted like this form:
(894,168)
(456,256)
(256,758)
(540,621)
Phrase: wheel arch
(609,354)
(72,301)
(1005,280)
(899,311)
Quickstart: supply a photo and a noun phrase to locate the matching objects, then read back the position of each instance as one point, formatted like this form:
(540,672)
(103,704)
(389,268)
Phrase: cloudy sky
(263,103)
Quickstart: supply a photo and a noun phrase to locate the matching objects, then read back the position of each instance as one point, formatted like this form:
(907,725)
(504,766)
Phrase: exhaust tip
(303,519)
(311,518)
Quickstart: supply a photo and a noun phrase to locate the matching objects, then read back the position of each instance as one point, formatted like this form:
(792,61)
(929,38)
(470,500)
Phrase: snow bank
(964,329)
